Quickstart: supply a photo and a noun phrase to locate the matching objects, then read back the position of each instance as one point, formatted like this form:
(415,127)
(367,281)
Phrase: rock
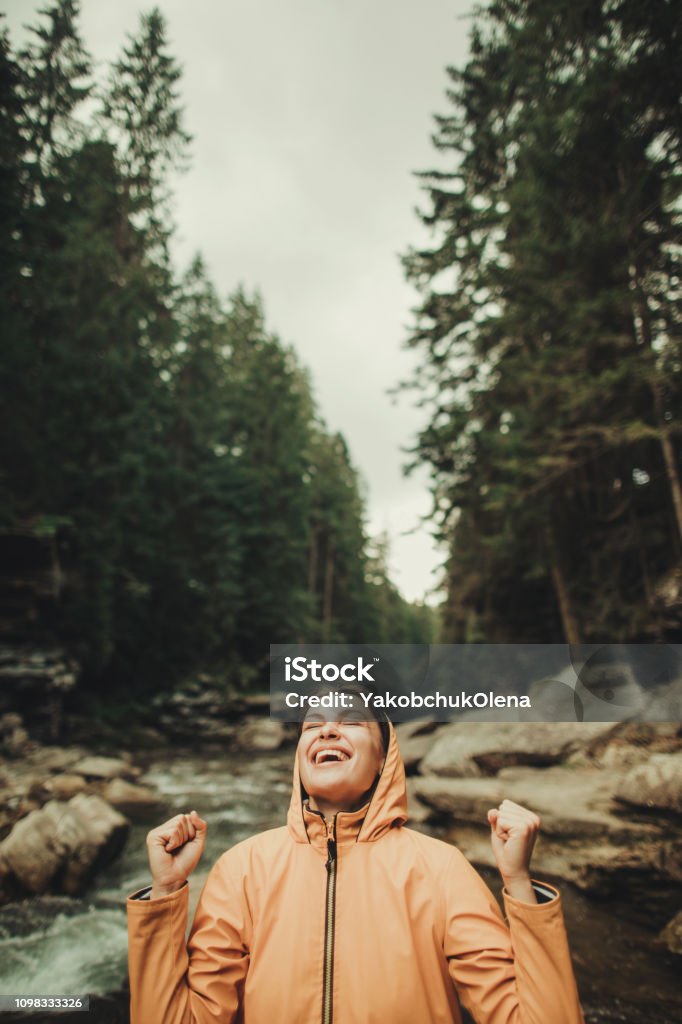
(16,742)
(667,737)
(417,811)
(95,834)
(213,731)
(34,680)
(130,798)
(9,815)
(648,737)
(54,759)
(147,736)
(64,787)
(416,727)
(656,785)
(255,701)
(672,934)
(32,852)
(201,722)
(260,734)
(101,767)
(61,845)
(415,739)
(642,885)
(571,804)
(414,749)
(621,757)
(458,799)
(648,873)
(483,748)
(581,839)
(10,721)
(14,739)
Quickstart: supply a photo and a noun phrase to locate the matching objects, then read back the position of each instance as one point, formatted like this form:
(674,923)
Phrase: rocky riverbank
(609,797)
(63,816)
(65,812)
(609,842)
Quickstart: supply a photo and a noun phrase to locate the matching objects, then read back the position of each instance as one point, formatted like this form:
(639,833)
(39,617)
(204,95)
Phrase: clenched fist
(513,831)
(174,849)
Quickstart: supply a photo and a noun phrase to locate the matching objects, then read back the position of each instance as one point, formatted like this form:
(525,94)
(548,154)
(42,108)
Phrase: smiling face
(338,762)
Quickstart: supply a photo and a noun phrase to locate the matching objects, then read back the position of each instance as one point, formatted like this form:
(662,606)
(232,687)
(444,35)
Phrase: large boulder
(33,854)
(483,748)
(672,934)
(644,877)
(59,847)
(64,787)
(47,760)
(131,799)
(581,839)
(259,734)
(94,767)
(632,741)
(656,785)
(571,804)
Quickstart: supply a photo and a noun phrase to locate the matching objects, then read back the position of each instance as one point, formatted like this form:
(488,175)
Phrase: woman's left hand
(513,831)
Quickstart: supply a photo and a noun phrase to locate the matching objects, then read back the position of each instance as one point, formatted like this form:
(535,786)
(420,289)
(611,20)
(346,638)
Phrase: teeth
(330,753)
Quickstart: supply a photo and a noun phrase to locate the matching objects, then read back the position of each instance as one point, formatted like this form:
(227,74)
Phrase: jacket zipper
(328,977)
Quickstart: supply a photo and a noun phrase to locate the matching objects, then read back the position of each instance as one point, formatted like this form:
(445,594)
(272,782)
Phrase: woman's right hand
(174,849)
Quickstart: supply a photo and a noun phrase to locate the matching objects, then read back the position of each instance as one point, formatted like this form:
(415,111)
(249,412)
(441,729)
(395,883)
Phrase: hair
(355,690)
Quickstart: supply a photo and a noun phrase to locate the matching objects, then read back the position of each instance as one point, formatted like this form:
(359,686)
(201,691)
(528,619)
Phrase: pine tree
(142,115)
(553,408)
(56,71)
(343,609)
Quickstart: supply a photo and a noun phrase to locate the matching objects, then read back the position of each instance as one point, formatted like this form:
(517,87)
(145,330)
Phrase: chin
(330,793)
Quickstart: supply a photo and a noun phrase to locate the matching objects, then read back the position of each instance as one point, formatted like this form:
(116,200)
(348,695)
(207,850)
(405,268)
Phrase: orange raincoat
(357,921)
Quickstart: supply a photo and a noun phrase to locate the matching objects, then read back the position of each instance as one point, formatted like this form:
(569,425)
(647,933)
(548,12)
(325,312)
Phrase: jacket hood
(387,807)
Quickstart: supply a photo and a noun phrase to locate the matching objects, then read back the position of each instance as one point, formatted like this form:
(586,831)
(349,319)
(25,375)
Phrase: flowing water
(62,946)
(58,945)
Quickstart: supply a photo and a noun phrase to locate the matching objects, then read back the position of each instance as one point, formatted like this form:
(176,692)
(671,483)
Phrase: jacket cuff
(141,894)
(545,894)
(144,896)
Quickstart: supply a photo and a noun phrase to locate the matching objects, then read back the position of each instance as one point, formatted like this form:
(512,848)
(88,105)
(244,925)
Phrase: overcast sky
(308,118)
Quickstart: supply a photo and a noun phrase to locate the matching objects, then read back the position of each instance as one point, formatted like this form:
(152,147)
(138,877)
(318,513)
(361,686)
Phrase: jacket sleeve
(516,974)
(196,982)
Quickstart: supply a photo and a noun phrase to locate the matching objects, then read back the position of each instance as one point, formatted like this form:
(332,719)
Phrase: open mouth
(330,755)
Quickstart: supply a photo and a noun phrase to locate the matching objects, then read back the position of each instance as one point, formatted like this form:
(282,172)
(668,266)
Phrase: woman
(345,916)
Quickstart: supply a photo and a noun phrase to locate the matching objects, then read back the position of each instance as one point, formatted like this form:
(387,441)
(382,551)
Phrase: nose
(329,729)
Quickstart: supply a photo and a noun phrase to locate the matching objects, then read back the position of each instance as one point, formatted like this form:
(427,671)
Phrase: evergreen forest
(549,324)
(160,444)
